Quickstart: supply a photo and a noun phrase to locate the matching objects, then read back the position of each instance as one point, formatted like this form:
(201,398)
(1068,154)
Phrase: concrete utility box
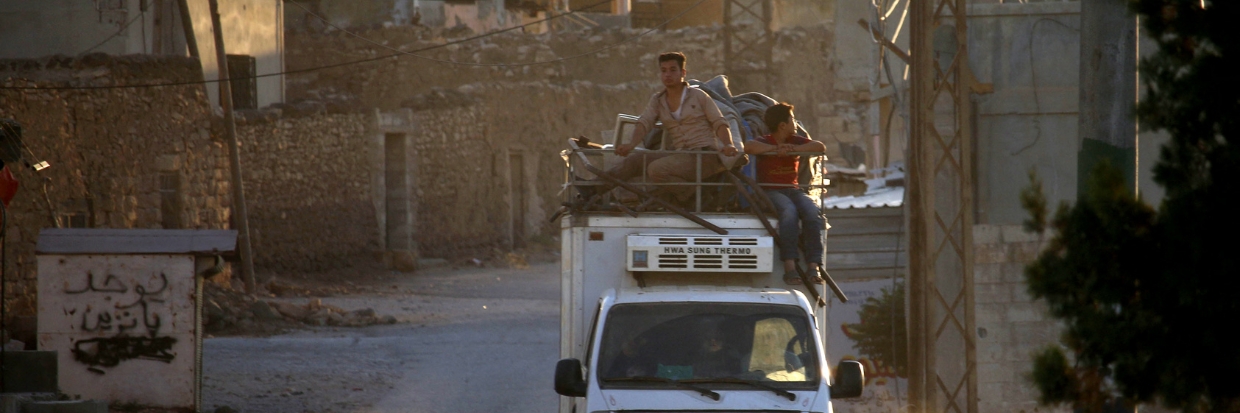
(120,308)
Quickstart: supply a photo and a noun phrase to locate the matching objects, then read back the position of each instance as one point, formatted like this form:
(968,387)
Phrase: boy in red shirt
(780,171)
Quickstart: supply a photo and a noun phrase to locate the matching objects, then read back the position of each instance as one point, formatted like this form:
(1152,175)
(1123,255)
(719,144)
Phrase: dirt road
(471,340)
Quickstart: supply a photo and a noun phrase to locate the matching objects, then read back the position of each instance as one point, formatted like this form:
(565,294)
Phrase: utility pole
(240,216)
(941,319)
(747,55)
(1108,94)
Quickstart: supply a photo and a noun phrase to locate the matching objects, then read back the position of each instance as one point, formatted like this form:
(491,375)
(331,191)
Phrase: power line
(453,62)
(372,59)
(309,69)
(142,7)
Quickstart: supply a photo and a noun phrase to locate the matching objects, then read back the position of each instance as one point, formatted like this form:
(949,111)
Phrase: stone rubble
(229,311)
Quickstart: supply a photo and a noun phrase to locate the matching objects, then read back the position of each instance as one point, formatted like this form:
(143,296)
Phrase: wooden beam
(187,25)
(241,217)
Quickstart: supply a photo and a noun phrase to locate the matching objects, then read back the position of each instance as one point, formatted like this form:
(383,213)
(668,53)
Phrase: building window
(241,72)
(72,220)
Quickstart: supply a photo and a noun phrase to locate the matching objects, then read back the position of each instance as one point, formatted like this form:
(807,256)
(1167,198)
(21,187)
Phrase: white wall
(1030,52)
(251,27)
(139,312)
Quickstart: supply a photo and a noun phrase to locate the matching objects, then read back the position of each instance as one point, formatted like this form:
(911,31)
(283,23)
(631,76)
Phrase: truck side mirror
(568,380)
(849,380)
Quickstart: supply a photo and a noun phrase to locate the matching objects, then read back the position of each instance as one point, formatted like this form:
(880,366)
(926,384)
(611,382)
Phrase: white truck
(685,312)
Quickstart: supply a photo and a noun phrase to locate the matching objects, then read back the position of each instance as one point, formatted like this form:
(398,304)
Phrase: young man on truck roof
(691,120)
(781,171)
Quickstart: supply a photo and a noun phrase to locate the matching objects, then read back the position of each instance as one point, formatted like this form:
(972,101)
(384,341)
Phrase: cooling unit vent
(700,253)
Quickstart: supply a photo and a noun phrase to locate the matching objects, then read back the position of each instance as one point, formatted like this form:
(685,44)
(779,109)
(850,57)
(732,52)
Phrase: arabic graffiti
(876,371)
(111,351)
(135,322)
(102,321)
(117,287)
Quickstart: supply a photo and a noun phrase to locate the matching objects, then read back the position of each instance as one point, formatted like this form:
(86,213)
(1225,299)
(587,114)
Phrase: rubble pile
(228,310)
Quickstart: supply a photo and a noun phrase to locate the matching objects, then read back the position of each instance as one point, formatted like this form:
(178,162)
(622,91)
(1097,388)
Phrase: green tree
(1147,296)
(881,334)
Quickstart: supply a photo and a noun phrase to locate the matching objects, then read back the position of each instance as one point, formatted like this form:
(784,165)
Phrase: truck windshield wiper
(651,379)
(791,396)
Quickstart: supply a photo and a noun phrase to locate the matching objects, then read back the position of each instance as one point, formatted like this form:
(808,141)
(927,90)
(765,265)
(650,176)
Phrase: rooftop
(880,192)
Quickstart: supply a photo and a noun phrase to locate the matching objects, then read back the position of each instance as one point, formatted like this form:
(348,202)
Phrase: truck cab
(685,310)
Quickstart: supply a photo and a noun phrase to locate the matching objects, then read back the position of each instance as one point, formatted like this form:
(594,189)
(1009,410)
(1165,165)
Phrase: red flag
(8,185)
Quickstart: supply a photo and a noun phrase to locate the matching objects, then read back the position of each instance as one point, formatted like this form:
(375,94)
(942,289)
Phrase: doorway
(516,192)
(396,193)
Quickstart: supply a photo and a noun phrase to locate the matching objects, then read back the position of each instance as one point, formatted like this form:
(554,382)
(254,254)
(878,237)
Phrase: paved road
(449,355)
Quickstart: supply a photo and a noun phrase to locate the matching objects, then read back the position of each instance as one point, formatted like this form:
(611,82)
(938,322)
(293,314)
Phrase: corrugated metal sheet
(136,241)
(866,242)
(883,191)
(875,198)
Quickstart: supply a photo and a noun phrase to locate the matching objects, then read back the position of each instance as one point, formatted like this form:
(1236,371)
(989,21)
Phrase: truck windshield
(700,341)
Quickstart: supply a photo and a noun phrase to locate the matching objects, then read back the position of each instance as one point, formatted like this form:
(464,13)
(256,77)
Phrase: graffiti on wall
(126,316)
(885,391)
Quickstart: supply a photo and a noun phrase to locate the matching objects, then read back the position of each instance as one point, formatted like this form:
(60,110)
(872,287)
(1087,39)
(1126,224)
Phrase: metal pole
(234,154)
(698,188)
(942,344)
(965,206)
(921,70)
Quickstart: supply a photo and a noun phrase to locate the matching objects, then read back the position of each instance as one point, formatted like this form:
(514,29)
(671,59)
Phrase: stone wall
(486,149)
(486,171)
(1010,325)
(469,140)
(307,183)
(120,158)
(803,72)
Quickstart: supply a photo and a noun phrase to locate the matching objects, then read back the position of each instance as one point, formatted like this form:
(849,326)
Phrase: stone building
(522,115)
(120,158)
(253,33)
(403,158)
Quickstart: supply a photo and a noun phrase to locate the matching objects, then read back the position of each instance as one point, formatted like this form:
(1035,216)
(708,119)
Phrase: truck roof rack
(731,191)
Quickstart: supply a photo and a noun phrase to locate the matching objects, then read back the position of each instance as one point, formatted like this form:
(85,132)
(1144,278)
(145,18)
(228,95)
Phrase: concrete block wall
(109,150)
(1010,325)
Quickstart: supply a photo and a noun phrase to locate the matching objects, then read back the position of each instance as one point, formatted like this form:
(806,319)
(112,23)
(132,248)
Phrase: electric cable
(1033,81)
(885,68)
(398,51)
(895,272)
(124,27)
(609,47)
(353,62)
